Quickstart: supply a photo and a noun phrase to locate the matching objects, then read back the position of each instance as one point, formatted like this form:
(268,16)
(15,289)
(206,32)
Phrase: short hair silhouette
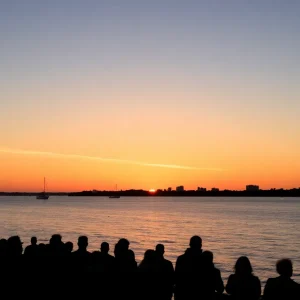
(196,242)
(131,254)
(208,256)
(55,239)
(123,244)
(284,267)
(33,240)
(14,245)
(149,257)
(243,266)
(82,241)
(14,240)
(69,246)
(160,249)
(104,247)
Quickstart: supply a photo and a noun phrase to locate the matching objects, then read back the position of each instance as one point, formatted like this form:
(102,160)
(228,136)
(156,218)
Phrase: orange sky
(217,141)
(213,89)
(25,171)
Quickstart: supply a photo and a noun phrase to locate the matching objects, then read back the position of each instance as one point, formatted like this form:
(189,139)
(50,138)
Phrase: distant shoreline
(142,193)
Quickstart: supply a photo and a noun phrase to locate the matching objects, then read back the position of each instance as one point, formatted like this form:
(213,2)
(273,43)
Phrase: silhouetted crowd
(58,271)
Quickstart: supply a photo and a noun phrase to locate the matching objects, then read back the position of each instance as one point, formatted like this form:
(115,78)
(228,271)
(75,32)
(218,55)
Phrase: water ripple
(265,229)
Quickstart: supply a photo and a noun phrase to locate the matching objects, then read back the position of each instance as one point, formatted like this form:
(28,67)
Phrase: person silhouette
(282,287)
(188,271)
(81,257)
(166,273)
(212,285)
(14,259)
(243,285)
(102,260)
(32,249)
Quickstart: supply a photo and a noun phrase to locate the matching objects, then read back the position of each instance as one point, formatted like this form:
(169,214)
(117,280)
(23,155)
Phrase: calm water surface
(265,229)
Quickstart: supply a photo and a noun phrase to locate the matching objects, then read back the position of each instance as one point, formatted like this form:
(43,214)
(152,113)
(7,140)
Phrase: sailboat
(116,195)
(43,194)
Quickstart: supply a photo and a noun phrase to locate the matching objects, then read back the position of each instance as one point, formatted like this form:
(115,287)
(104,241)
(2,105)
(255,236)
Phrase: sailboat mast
(44,184)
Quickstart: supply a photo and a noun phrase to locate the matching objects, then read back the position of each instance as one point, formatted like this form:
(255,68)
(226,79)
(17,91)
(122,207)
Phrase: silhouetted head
(123,244)
(160,250)
(82,242)
(69,246)
(243,266)
(33,241)
(284,267)
(14,245)
(208,257)
(55,240)
(149,256)
(131,254)
(196,242)
(104,247)
(116,250)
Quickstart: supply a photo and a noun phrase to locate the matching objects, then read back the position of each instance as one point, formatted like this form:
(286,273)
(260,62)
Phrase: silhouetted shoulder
(244,287)
(230,284)
(256,279)
(257,284)
(219,284)
(217,272)
(281,288)
(169,264)
(270,288)
(81,253)
(180,258)
(179,266)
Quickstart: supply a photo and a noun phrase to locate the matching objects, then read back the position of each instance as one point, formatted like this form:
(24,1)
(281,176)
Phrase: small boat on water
(115,195)
(43,194)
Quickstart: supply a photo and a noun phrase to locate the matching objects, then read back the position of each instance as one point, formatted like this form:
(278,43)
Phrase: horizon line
(157,190)
(105,159)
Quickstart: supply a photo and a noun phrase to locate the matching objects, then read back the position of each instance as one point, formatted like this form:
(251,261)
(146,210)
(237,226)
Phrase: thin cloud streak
(103,159)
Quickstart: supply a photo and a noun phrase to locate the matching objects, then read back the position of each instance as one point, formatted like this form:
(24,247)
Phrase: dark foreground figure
(243,285)
(55,270)
(282,287)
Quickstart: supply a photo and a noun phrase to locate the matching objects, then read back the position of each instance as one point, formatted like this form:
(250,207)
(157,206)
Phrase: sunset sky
(149,94)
